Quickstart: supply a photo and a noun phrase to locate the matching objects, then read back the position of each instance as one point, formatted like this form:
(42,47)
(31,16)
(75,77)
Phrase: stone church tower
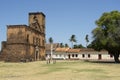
(25,43)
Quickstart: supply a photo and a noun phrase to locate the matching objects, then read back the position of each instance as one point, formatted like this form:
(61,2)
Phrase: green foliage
(73,39)
(61,45)
(78,46)
(107,33)
(66,45)
(87,40)
(50,40)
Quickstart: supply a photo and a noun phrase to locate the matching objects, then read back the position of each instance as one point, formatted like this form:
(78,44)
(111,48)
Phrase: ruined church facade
(25,42)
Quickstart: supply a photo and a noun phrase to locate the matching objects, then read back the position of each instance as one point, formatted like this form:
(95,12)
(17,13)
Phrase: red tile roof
(73,51)
(69,50)
(62,49)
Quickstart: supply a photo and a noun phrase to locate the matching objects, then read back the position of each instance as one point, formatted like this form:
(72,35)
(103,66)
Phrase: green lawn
(62,70)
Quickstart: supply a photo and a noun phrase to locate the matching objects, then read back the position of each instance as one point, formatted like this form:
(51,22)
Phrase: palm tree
(51,45)
(73,39)
(50,40)
(87,40)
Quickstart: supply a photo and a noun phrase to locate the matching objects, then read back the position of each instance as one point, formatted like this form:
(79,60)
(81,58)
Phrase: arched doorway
(37,53)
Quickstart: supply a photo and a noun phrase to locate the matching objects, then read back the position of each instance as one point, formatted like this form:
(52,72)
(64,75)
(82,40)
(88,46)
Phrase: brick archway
(37,53)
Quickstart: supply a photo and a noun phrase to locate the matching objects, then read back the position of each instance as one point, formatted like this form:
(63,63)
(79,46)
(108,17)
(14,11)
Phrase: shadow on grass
(102,61)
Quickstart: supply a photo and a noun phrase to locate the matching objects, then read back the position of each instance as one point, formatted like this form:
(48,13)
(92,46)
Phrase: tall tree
(51,46)
(73,39)
(87,40)
(107,34)
(50,40)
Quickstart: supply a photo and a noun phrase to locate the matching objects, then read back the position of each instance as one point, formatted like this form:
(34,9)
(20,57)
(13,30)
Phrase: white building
(76,54)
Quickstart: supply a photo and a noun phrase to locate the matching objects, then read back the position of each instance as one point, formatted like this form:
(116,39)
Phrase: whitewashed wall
(92,55)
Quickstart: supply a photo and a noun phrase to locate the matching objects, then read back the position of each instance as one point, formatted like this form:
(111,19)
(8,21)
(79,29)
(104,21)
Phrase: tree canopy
(78,46)
(50,40)
(107,33)
(87,40)
(73,39)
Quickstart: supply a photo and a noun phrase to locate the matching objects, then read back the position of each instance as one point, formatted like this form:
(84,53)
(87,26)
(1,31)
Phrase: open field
(62,70)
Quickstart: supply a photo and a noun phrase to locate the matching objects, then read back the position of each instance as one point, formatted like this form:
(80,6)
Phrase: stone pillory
(25,43)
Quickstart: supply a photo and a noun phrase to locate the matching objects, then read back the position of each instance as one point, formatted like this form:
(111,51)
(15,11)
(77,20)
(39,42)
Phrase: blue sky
(63,17)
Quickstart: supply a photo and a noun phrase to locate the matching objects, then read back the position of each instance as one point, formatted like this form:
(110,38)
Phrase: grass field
(62,70)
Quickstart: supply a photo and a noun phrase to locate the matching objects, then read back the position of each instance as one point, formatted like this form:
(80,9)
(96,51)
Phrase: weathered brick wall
(3,45)
(40,18)
(36,39)
(13,52)
(42,53)
(16,34)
